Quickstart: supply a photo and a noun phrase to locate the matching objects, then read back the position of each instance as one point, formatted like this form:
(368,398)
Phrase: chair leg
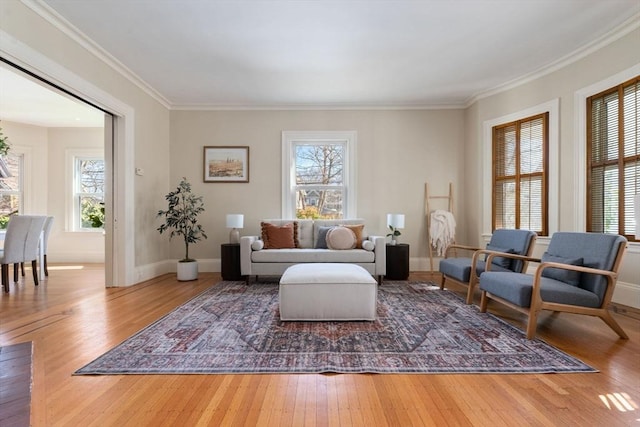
(532,323)
(611,322)
(472,287)
(5,277)
(15,272)
(34,267)
(46,268)
(22,268)
(483,302)
(442,282)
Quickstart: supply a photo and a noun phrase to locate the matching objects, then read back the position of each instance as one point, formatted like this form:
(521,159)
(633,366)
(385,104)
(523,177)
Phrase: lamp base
(234,236)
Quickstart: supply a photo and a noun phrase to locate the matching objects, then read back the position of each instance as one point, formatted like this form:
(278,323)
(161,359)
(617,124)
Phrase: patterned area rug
(235,328)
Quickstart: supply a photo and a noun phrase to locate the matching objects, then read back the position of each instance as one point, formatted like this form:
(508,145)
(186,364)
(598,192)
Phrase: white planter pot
(187,271)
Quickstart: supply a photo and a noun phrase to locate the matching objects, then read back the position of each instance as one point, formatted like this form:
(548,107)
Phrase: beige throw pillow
(341,238)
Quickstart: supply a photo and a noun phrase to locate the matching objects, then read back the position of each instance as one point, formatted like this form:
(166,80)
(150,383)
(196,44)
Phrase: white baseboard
(149,271)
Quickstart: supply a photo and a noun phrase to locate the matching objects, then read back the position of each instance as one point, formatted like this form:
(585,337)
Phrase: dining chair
(21,245)
(48,223)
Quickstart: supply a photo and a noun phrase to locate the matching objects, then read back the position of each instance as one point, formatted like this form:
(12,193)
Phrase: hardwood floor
(71,319)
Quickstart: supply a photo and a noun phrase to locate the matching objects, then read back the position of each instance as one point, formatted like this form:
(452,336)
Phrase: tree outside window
(89,193)
(11,195)
(319,186)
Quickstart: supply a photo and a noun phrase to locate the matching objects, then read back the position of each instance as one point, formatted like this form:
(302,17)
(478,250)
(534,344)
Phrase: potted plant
(181,216)
(394,233)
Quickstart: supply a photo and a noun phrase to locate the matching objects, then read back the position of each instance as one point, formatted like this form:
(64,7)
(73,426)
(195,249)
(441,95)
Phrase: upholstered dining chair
(577,274)
(48,223)
(466,270)
(21,245)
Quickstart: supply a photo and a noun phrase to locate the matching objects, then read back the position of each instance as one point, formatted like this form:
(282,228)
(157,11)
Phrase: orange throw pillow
(357,229)
(280,236)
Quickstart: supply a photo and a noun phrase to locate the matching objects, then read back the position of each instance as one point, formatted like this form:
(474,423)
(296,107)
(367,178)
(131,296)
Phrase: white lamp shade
(636,210)
(395,220)
(235,220)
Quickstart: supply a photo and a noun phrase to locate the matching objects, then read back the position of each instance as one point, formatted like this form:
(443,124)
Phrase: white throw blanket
(442,231)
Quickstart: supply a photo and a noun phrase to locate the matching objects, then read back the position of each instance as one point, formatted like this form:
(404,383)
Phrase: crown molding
(622,30)
(50,15)
(60,23)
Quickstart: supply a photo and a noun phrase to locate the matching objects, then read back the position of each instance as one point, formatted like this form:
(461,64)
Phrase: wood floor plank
(71,319)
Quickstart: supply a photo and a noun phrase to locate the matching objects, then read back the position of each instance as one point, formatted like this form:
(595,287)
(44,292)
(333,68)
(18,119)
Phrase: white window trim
(553,107)
(580,159)
(70,166)
(349,138)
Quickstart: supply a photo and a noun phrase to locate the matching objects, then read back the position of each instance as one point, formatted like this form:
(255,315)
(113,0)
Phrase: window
(520,174)
(318,174)
(613,159)
(11,187)
(88,193)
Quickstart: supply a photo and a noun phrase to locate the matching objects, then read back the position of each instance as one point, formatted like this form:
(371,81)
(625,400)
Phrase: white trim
(289,138)
(553,107)
(622,30)
(580,126)
(59,22)
(123,220)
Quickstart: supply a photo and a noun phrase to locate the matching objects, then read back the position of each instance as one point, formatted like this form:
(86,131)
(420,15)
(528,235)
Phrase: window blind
(614,159)
(520,174)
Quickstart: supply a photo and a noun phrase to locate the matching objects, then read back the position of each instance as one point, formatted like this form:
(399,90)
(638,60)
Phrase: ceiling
(334,54)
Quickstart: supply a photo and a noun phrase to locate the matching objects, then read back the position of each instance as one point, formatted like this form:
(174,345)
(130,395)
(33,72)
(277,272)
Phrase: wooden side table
(230,260)
(397,262)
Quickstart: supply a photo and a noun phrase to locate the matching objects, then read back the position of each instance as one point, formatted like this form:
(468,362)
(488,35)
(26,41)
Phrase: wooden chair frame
(538,304)
(477,253)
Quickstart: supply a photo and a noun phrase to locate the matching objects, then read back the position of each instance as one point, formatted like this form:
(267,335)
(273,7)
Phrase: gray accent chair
(577,274)
(21,245)
(465,271)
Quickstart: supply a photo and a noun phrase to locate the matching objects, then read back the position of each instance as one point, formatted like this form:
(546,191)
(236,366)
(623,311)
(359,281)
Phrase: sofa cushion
(341,238)
(568,276)
(317,223)
(368,245)
(297,256)
(279,236)
(357,229)
(305,230)
(321,242)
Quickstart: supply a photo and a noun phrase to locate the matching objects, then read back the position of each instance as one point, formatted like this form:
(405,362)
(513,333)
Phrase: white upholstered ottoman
(327,291)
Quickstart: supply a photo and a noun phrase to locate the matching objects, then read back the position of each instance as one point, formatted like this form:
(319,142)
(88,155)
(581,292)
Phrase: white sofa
(274,262)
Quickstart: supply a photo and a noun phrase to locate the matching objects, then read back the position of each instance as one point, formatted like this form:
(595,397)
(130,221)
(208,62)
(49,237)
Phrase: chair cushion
(568,276)
(518,240)
(499,260)
(460,268)
(516,288)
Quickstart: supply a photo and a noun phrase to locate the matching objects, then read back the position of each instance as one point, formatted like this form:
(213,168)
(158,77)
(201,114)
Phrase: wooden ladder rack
(427,210)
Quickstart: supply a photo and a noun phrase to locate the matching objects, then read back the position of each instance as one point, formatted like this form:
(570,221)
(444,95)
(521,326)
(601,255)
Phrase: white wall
(397,152)
(146,124)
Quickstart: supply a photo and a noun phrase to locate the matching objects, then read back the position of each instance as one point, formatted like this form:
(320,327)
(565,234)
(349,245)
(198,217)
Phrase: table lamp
(234,221)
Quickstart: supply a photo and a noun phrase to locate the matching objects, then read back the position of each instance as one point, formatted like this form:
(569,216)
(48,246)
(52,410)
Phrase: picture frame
(226,164)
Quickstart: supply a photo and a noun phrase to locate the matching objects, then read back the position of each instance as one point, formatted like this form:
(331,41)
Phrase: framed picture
(226,164)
